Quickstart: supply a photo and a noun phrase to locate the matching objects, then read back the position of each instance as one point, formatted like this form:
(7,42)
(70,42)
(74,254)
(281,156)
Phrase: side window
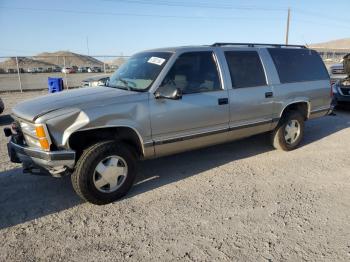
(194,72)
(245,68)
(297,65)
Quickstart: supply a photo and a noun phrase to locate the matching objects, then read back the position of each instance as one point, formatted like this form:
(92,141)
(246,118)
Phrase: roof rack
(256,44)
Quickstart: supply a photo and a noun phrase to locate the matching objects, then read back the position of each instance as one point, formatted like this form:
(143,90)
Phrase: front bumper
(338,98)
(36,161)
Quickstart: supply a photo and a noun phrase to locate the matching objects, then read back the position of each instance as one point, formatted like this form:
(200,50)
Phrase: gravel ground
(240,201)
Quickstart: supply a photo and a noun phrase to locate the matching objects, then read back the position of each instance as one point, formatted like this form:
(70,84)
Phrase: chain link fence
(32,72)
(332,56)
(20,73)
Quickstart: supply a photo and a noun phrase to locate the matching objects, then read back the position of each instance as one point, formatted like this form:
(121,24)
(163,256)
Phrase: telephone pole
(287,31)
(87,45)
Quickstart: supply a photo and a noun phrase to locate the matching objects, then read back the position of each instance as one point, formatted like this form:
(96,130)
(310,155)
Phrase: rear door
(250,95)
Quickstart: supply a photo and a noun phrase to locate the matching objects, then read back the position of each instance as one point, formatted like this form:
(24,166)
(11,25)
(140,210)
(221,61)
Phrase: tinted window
(194,72)
(296,65)
(245,69)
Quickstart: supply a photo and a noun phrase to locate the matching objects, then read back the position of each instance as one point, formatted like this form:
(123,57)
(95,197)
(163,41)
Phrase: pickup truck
(166,101)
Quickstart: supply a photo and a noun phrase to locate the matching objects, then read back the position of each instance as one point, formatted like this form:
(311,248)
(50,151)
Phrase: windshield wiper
(126,86)
(125,83)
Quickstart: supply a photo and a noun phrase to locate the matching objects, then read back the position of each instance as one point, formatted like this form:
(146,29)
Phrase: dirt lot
(240,201)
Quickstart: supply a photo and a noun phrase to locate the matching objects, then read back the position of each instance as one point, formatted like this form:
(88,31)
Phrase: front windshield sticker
(156,60)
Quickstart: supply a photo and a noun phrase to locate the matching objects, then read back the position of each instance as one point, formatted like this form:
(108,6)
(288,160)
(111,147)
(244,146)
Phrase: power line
(198,5)
(163,16)
(132,14)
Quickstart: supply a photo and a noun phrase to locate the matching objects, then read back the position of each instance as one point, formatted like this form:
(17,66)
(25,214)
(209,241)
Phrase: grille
(345,91)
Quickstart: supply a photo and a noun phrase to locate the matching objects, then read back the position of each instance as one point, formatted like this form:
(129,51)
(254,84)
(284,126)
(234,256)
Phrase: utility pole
(287,31)
(87,45)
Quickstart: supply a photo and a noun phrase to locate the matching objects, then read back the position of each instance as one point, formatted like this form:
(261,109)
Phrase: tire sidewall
(92,160)
(291,116)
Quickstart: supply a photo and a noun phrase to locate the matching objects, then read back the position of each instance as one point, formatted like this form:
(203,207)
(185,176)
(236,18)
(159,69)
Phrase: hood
(78,98)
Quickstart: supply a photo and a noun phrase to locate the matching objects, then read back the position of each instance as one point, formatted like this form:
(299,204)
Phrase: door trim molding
(214,132)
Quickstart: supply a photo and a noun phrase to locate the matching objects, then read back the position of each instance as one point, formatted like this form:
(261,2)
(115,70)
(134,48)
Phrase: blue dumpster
(55,84)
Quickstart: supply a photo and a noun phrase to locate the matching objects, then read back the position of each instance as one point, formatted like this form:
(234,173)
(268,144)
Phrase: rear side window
(245,68)
(298,65)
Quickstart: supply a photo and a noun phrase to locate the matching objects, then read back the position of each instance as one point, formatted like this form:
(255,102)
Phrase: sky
(123,27)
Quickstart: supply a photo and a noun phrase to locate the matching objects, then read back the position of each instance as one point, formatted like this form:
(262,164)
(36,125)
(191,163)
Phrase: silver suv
(166,101)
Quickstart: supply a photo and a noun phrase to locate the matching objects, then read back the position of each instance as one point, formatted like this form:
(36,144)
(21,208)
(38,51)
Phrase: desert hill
(71,59)
(334,44)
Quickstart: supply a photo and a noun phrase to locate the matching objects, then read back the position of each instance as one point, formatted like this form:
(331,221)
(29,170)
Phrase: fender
(295,102)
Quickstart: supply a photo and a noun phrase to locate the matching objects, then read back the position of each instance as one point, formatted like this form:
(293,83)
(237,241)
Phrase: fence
(31,73)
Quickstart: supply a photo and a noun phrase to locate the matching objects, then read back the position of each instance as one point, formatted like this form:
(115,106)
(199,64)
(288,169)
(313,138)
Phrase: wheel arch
(81,139)
(302,106)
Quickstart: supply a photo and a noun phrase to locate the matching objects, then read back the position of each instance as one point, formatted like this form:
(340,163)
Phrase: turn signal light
(44,143)
(40,132)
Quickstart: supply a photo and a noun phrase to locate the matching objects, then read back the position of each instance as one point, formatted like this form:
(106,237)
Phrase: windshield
(140,71)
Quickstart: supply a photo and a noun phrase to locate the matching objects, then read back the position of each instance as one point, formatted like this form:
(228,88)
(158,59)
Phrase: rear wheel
(105,172)
(289,132)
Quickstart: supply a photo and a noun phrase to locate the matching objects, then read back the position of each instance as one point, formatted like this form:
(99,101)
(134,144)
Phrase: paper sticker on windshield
(156,60)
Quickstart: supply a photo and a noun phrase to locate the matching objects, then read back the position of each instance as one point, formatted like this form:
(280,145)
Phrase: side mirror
(104,82)
(168,92)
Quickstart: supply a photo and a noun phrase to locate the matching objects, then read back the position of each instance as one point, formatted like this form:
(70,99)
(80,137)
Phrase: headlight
(36,135)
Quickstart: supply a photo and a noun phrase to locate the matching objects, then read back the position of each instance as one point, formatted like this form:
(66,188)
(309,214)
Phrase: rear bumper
(36,161)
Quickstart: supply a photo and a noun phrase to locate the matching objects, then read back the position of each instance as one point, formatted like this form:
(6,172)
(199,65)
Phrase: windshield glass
(140,71)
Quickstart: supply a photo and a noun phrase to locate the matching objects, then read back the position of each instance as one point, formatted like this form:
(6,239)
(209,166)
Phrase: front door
(201,116)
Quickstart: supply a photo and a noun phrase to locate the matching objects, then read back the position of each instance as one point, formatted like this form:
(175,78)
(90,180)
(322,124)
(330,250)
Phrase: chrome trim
(214,132)
(320,110)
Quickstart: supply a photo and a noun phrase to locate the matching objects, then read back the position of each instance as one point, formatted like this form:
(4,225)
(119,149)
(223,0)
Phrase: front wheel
(104,173)
(289,132)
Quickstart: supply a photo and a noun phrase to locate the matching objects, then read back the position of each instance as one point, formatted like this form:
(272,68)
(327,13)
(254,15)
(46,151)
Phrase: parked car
(56,69)
(341,89)
(68,70)
(95,81)
(166,101)
(83,69)
(336,73)
(94,69)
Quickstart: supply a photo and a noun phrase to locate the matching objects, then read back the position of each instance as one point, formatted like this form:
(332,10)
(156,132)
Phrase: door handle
(223,101)
(268,94)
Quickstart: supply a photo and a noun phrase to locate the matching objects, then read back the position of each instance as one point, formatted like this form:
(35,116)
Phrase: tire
(111,157)
(280,136)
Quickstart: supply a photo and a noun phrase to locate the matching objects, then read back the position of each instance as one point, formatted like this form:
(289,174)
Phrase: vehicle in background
(2,106)
(341,88)
(82,69)
(68,70)
(94,69)
(111,68)
(336,73)
(95,81)
(56,69)
(166,101)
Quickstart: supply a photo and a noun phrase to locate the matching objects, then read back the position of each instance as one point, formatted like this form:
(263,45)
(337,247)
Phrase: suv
(166,101)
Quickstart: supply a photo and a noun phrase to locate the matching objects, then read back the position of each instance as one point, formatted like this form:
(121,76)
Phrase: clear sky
(115,27)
